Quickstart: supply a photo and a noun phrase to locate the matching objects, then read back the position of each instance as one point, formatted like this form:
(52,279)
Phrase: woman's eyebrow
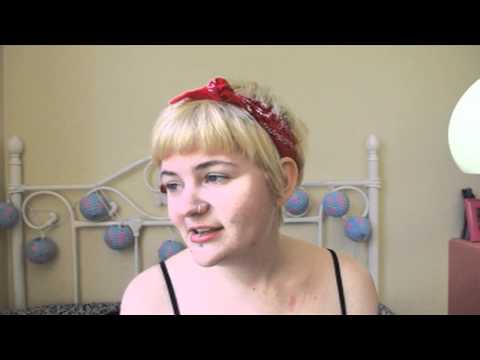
(201,166)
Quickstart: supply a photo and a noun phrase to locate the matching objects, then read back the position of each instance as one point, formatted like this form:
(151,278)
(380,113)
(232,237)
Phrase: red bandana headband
(219,89)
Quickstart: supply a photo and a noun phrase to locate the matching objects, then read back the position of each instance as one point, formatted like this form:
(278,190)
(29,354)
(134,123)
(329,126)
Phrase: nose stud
(201,208)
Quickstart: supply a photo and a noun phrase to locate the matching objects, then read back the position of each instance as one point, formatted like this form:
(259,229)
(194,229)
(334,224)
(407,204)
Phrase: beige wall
(3,237)
(86,111)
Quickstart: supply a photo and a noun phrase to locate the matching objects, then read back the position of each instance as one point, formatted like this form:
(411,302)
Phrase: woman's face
(237,198)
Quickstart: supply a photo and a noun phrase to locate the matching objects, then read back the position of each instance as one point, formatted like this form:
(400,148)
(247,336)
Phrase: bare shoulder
(359,288)
(146,294)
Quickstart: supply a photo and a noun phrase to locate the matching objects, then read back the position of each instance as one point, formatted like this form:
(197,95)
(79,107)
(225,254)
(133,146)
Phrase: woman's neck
(257,269)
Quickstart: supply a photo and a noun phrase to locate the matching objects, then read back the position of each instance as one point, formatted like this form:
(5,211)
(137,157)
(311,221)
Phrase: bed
(21,195)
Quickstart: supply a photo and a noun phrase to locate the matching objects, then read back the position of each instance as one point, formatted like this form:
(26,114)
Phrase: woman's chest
(195,298)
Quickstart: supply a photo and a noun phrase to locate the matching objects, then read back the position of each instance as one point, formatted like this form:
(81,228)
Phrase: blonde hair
(213,126)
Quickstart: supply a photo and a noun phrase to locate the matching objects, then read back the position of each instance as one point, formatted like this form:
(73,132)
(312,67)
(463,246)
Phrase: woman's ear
(290,173)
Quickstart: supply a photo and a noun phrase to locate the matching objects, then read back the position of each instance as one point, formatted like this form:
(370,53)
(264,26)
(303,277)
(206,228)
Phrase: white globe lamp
(464,131)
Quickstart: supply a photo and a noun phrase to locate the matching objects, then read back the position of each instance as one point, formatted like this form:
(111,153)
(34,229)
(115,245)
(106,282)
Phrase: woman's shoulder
(359,288)
(146,294)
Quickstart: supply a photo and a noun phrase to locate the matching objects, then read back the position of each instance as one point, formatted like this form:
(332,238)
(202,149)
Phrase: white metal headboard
(17,190)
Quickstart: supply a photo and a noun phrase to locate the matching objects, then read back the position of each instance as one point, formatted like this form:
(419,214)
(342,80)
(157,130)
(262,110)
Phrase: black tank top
(336,265)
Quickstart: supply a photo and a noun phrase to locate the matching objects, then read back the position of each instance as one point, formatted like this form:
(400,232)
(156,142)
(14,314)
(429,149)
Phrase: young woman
(230,157)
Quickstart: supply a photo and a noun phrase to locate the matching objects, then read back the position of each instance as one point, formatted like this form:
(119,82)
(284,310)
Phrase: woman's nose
(196,209)
(193,204)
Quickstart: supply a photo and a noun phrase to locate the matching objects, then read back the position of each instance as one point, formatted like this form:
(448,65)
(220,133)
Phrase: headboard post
(373,189)
(15,152)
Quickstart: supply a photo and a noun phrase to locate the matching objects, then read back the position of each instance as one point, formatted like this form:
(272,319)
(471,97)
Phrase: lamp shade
(464,131)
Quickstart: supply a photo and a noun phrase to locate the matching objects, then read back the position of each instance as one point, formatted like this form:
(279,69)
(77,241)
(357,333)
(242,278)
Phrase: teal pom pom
(94,207)
(41,250)
(9,215)
(119,237)
(358,228)
(298,204)
(169,248)
(335,204)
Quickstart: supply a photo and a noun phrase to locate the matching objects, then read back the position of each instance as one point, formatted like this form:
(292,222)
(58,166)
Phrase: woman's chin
(205,257)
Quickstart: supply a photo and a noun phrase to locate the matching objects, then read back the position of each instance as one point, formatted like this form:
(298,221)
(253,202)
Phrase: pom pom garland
(119,237)
(94,207)
(298,204)
(41,250)
(9,215)
(357,228)
(336,204)
(169,248)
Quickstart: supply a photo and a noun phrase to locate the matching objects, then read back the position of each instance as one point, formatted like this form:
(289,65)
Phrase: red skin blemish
(292,300)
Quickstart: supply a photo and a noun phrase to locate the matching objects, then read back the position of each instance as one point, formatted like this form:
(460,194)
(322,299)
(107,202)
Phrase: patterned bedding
(68,309)
(103,309)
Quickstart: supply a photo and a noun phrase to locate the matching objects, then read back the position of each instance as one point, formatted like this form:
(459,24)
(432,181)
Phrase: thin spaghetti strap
(339,282)
(173,298)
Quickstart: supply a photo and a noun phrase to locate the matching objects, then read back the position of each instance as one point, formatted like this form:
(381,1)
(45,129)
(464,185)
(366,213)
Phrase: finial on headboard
(372,143)
(15,145)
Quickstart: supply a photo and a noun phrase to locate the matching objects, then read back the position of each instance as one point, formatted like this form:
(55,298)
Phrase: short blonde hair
(213,126)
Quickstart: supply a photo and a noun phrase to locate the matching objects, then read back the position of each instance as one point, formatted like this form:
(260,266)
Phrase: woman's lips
(201,238)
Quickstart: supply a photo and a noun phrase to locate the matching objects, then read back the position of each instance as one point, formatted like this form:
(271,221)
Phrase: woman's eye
(172,187)
(216,176)
(169,187)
